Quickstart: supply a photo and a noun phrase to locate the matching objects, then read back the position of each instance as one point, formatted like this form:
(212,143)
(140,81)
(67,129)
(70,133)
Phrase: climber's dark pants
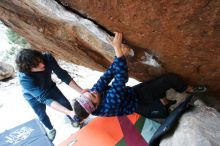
(150,92)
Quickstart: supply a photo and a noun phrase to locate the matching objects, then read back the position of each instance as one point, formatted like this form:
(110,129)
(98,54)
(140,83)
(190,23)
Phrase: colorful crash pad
(106,131)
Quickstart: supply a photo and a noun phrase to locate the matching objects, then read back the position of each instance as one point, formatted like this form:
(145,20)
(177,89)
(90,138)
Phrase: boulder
(197,127)
(6,71)
(166,36)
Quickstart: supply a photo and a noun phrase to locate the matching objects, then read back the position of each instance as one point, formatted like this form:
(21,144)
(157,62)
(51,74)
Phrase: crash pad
(106,131)
(30,133)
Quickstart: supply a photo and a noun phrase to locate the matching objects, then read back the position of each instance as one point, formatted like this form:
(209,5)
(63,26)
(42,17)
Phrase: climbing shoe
(199,89)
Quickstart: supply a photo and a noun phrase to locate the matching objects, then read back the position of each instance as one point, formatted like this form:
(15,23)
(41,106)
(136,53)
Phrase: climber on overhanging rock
(147,98)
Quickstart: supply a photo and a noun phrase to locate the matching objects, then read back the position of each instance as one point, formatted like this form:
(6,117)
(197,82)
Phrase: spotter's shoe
(51,134)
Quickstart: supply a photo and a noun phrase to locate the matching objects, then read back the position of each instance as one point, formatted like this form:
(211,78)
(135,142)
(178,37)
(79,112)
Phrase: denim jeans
(40,109)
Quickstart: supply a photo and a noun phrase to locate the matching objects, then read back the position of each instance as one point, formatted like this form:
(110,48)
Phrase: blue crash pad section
(170,121)
(30,133)
(149,128)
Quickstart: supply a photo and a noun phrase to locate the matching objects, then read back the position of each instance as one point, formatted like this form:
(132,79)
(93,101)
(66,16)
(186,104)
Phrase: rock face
(6,71)
(198,127)
(167,36)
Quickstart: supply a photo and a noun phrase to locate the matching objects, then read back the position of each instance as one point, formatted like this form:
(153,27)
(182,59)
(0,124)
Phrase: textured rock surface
(175,36)
(6,71)
(198,127)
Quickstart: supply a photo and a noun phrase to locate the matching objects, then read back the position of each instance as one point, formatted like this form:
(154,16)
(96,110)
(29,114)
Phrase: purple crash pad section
(131,134)
(30,133)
